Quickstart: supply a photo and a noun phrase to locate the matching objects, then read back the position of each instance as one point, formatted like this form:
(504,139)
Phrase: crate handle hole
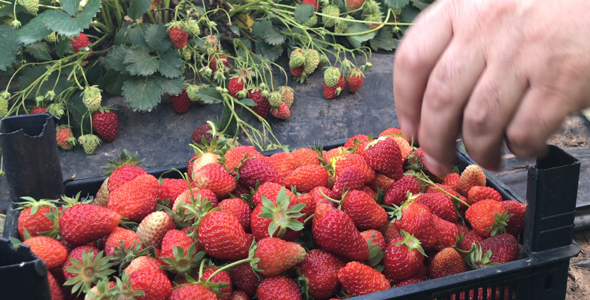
(548,282)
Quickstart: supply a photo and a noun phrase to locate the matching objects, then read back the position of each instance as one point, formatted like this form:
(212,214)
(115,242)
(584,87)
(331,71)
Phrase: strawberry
(470,177)
(470,238)
(331,76)
(447,233)
(200,133)
(85,223)
(152,283)
(451,180)
(478,193)
(391,131)
(487,217)
(305,156)
(153,227)
(355,79)
(447,262)
(359,279)
(258,170)
(128,237)
(333,92)
(103,289)
(214,62)
(54,288)
(262,108)
(277,256)
(202,160)
(221,236)
(239,295)
(439,204)
(127,169)
(38,110)
(334,231)
(192,292)
(398,192)
(277,218)
(65,137)
(79,42)
(35,216)
(278,288)
(403,259)
(515,224)
(270,190)
(232,159)
(240,209)
(221,278)
(384,156)
(235,85)
(315,3)
(309,204)
(504,248)
(296,71)
(92,98)
(106,124)
(189,165)
(143,262)
(355,140)
(331,12)
(85,267)
(287,95)
(408,282)
(49,250)
(283,162)
(404,146)
(178,36)
(364,211)
(416,219)
(390,232)
(170,189)
(308,177)
(354,4)
(181,102)
(349,179)
(346,160)
(381,183)
(243,278)
(375,237)
(214,177)
(282,112)
(178,252)
(185,198)
(89,142)
(135,199)
(312,59)
(320,272)
(318,193)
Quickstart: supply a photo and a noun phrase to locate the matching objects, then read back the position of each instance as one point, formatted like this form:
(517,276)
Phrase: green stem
(166,5)
(119,15)
(239,262)
(151,16)
(243,7)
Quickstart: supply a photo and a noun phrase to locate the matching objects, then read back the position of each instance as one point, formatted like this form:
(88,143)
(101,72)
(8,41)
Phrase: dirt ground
(579,276)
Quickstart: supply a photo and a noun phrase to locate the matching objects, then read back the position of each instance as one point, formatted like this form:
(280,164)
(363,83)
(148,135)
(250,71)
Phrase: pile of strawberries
(318,224)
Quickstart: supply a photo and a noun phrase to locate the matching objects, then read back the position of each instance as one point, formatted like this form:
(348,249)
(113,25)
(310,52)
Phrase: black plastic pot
(22,274)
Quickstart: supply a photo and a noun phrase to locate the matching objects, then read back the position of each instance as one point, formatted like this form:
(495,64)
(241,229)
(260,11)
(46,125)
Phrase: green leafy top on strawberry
(283,217)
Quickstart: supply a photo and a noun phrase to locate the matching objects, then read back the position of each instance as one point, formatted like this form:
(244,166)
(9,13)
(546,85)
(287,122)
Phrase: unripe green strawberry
(371,8)
(275,99)
(331,76)
(340,26)
(287,95)
(191,91)
(92,98)
(32,6)
(312,21)
(373,18)
(193,27)
(89,142)
(186,54)
(5,95)
(333,11)
(3,108)
(312,60)
(51,38)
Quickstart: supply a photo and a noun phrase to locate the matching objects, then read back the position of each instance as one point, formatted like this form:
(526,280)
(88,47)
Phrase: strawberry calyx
(303,283)
(67,202)
(123,257)
(411,242)
(123,288)
(499,226)
(126,158)
(182,263)
(35,204)
(191,214)
(396,212)
(376,255)
(103,291)
(283,217)
(476,259)
(88,271)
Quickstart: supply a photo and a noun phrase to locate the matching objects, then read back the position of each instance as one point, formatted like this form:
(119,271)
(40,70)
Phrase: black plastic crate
(548,246)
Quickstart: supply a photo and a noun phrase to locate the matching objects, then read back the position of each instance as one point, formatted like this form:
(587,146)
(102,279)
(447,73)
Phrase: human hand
(491,70)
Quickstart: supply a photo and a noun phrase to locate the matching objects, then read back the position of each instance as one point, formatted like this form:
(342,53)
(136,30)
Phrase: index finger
(420,49)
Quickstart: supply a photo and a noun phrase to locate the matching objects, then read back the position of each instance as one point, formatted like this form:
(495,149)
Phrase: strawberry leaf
(138,8)
(268,32)
(113,81)
(70,6)
(39,50)
(9,46)
(396,4)
(171,64)
(303,12)
(64,47)
(32,32)
(116,56)
(268,51)
(156,37)
(357,40)
(136,36)
(64,24)
(142,93)
(210,95)
(409,13)
(169,86)
(139,62)
(384,40)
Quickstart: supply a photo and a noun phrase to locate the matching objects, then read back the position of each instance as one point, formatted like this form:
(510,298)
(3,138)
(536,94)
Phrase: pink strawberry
(153,227)
(470,177)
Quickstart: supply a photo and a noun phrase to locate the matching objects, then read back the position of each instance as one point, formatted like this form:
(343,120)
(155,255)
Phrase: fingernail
(435,167)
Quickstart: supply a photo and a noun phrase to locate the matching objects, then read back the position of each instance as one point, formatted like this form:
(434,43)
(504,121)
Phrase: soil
(579,273)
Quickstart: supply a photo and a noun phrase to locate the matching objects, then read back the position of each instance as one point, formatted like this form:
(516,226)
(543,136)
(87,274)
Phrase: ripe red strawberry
(49,250)
(315,3)
(333,154)
(243,278)
(262,108)
(221,278)
(398,192)
(308,177)
(277,256)
(384,156)
(347,160)
(178,36)
(318,198)
(213,62)
(125,170)
(79,42)
(283,162)
(201,132)
(439,204)
(234,156)
(270,190)
(354,4)
(178,252)
(135,199)
(355,140)
(447,233)
(128,237)
(333,92)
(416,219)
(170,189)
(439,189)
(305,156)
(349,179)
(143,262)
(447,262)
(504,248)
(376,238)
(181,102)
(451,180)
(334,231)
(408,282)
(282,112)
(239,208)
(192,291)
(153,227)
(392,131)
(359,279)
(307,200)
(404,146)
(235,85)
(85,223)
(364,211)
(390,232)
(297,71)
(221,236)
(469,239)
(516,222)
(403,258)
(260,225)
(320,269)
(355,79)
(470,177)
(186,198)
(153,283)
(478,193)
(34,217)
(106,124)
(214,177)
(278,288)
(487,217)
(382,183)
(258,170)
(65,137)
(54,288)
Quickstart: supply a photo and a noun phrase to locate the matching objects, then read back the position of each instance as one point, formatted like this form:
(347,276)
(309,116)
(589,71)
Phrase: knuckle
(408,58)
(438,96)
(479,116)
(521,142)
